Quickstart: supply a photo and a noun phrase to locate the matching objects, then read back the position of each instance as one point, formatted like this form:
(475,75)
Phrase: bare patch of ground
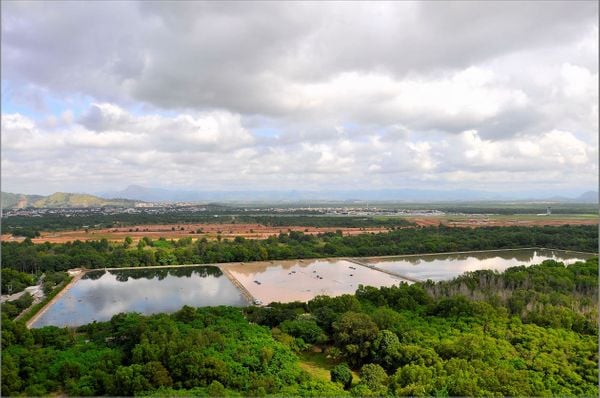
(176,231)
(258,231)
(503,221)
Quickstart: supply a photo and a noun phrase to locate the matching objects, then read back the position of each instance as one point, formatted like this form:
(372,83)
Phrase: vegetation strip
(26,257)
(38,309)
(481,251)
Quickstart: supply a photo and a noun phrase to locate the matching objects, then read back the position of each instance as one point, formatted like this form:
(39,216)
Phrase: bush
(342,374)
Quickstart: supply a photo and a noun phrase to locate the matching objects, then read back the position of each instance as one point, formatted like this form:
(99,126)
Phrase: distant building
(548,211)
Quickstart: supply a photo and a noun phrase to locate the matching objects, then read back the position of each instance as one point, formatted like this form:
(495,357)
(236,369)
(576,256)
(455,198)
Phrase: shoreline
(45,308)
(224,267)
(236,263)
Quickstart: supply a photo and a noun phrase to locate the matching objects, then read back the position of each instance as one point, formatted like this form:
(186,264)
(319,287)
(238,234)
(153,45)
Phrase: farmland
(229,227)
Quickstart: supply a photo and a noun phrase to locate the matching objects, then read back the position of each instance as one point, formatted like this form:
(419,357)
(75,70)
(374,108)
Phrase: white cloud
(578,82)
(254,95)
(77,153)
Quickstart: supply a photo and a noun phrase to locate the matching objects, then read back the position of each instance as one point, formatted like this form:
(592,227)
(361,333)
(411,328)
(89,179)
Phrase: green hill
(11,200)
(60,200)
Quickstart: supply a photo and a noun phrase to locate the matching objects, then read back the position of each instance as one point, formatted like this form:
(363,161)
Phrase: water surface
(287,281)
(99,295)
(438,267)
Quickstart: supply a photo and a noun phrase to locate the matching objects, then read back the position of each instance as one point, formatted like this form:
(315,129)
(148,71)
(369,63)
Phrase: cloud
(174,149)
(243,57)
(268,95)
(207,131)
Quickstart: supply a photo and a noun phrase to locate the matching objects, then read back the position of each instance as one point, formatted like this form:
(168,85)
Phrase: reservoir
(302,280)
(99,295)
(438,267)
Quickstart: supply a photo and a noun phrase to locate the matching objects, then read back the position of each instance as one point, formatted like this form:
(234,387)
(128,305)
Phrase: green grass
(162,244)
(318,365)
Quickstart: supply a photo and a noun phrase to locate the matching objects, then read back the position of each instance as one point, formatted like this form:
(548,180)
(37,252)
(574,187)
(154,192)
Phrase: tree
(11,382)
(306,329)
(385,349)
(354,333)
(374,377)
(342,374)
(386,318)
(24,301)
(157,375)
(412,380)
(127,242)
(216,389)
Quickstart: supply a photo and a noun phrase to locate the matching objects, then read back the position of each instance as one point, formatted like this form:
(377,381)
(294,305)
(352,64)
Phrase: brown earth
(176,231)
(257,231)
(504,221)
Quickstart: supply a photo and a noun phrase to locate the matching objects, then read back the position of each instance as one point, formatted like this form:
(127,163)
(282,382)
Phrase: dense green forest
(525,332)
(27,257)
(51,282)
(14,281)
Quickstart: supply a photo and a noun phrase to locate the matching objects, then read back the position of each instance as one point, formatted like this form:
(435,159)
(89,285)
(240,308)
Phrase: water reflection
(99,295)
(287,281)
(156,273)
(439,267)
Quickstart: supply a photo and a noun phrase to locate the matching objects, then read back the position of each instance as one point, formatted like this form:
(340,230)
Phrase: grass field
(318,365)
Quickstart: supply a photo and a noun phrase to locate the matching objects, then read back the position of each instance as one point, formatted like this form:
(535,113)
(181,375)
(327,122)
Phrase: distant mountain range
(588,197)
(136,192)
(60,200)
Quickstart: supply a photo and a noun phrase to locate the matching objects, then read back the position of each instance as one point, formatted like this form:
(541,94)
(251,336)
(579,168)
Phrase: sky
(493,96)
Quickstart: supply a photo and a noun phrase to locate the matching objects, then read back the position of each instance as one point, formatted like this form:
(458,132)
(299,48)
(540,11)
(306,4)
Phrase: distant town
(161,208)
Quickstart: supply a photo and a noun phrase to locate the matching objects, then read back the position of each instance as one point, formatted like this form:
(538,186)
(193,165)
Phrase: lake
(301,280)
(438,267)
(99,295)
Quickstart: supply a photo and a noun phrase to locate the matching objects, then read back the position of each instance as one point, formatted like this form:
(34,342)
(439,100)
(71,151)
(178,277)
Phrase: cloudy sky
(261,96)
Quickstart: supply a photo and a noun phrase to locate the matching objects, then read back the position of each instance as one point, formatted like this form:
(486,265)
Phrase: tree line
(27,257)
(30,226)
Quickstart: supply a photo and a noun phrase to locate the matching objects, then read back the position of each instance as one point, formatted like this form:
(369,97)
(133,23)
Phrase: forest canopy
(529,331)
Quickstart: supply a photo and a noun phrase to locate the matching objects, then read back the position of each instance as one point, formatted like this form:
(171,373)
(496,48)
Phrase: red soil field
(257,231)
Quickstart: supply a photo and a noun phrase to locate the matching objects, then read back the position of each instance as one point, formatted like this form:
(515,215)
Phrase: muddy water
(439,267)
(99,295)
(301,280)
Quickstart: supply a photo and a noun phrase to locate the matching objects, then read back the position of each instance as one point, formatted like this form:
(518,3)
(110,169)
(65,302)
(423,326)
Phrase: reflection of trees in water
(94,275)
(162,273)
(519,255)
